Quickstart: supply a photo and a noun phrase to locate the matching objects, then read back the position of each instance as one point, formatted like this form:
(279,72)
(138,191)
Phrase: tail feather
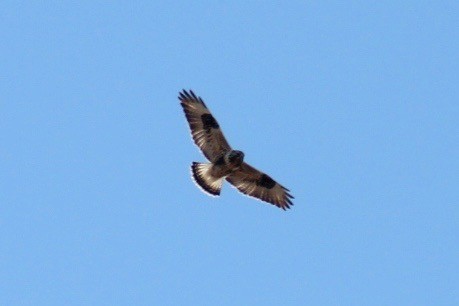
(201,175)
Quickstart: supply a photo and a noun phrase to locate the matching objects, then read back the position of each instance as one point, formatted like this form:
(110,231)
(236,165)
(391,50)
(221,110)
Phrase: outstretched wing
(254,183)
(204,128)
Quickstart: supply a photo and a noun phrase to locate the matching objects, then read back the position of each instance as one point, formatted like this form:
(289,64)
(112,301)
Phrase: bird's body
(226,163)
(221,167)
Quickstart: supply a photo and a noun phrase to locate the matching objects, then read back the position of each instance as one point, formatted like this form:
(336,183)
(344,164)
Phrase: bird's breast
(220,170)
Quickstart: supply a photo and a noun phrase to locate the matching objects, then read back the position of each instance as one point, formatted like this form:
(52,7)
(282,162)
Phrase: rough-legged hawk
(226,163)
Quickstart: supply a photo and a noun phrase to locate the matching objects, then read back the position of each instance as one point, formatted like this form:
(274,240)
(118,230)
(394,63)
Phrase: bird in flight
(226,163)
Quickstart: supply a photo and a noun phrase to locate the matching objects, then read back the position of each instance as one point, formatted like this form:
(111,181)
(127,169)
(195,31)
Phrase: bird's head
(236,157)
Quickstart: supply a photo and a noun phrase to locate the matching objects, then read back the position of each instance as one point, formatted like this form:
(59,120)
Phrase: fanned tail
(202,177)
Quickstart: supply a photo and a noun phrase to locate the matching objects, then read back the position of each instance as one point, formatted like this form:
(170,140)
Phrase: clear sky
(354,106)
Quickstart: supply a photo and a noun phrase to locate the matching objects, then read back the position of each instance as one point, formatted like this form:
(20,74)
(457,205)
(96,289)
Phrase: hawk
(226,163)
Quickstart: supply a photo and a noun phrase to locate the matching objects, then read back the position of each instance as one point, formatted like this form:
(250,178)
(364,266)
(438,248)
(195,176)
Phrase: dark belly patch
(220,161)
(209,121)
(266,181)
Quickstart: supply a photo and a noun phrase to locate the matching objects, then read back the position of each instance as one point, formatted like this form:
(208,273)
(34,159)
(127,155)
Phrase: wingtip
(286,204)
(185,95)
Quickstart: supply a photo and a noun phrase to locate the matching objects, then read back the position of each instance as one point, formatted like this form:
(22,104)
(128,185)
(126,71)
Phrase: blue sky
(353,106)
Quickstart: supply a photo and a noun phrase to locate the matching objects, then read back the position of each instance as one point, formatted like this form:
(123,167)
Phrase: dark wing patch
(255,183)
(209,122)
(266,181)
(205,130)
